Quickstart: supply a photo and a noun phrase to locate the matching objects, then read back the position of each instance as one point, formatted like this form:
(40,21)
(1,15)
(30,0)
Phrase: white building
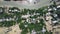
(49,9)
(33,32)
(10,19)
(54,21)
(55,15)
(43,30)
(1,10)
(58,6)
(25,16)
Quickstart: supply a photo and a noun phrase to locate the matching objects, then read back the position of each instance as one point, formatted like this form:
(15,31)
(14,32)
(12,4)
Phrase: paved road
(25,4)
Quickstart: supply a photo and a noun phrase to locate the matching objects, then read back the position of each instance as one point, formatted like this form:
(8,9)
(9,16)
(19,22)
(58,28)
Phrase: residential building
(1,10)
(25,16)
(10,19)
(33,32)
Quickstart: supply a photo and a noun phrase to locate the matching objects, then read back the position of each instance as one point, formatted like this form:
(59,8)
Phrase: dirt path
(15,30)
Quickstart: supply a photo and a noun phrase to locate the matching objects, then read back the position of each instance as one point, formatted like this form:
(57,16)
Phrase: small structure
(58,6)
(25,16)
(33,32)
(54,22)
(43,30)
(26,25)
(10,19)
(1,10)
(49,9)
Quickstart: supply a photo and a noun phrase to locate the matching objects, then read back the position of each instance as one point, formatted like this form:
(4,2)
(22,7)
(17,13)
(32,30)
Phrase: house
(55,15)
(26,25)
(25,16)
(54,8)
(54,21)
(33,32)
(49,9)
(58,7)
(32,20)
(43,30)
(1,10)
(14,9)
(7,19)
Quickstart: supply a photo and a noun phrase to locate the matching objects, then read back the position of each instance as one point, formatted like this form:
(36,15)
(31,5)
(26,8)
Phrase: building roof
(49,9)
(55,15)
(54,21)
(25,16)
(33,32)
(43,29)
(10,19)
(58,6)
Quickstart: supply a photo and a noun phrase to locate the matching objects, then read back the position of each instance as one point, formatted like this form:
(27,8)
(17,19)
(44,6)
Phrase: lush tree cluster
(37,26)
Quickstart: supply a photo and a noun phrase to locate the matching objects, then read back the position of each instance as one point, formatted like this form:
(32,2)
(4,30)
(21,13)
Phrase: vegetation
(37,26)
(7,24)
